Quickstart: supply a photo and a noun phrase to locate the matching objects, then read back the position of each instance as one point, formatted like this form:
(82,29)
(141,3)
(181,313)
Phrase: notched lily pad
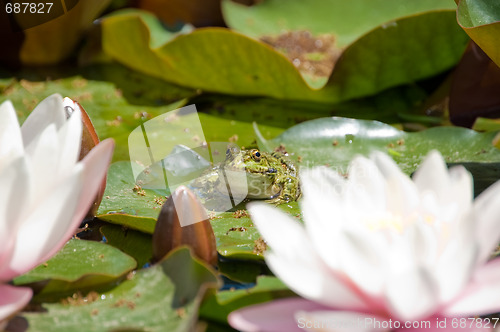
(79,266)
(225,61)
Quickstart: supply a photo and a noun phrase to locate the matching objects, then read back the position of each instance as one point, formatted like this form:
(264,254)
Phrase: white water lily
(45,192)
(381,246)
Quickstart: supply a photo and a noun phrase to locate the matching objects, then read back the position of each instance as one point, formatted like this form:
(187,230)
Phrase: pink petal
(482,295)
(96,165)
(274,316)
(49,111)
(13,299)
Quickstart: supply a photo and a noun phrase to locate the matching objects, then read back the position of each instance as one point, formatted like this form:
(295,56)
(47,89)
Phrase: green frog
(269,176)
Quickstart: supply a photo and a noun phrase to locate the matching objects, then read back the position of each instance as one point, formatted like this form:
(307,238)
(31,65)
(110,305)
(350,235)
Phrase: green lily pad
(236,235)
(217,306)
(335,141)
(133,243)
(79,265)
(125,204)
(346,20)
(164,297)
(223,61)
(107,93)
(480,19)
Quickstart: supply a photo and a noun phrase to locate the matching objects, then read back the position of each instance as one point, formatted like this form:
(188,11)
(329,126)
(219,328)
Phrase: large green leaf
(109,94)
(335,141)
(164,297)
(481,21)
(79,265)
(223,61)
(347,20)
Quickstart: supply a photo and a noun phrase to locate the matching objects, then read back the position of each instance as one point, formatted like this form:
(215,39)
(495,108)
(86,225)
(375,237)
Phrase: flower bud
(184,221)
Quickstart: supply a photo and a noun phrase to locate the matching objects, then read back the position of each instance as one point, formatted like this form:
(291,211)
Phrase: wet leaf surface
(164,297)
(79,266)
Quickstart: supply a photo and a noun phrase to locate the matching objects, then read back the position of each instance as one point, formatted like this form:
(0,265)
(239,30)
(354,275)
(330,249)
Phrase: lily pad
(106,93)
(223,61)
(480,19)
(335,141)
(79,265)
(164,297)
(126,204)
(347,21)
(236,235)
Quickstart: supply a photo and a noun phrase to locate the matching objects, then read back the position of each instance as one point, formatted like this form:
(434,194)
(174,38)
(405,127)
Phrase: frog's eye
(256,155)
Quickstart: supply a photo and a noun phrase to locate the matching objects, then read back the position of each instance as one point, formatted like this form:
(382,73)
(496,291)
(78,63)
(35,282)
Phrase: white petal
(481,296)
(455,267)
(461,188)
(45,227)
(70,139)
(366,189)
(49,111)
(321,207)
(386,165)
(14,193)
(293,259)
(43,153)
(423,243)
(432,175)
(486,214)
(11,143)
(335,321)
(363,258)
(412,295)
(95,166)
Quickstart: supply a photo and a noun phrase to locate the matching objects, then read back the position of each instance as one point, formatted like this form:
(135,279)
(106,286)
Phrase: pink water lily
(45,192)
(380,247)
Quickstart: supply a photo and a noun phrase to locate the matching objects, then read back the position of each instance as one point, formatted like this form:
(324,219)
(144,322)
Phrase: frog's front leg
(288,190)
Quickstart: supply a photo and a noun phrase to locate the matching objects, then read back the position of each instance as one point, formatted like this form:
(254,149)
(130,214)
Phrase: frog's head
(252,161)
(261,169)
